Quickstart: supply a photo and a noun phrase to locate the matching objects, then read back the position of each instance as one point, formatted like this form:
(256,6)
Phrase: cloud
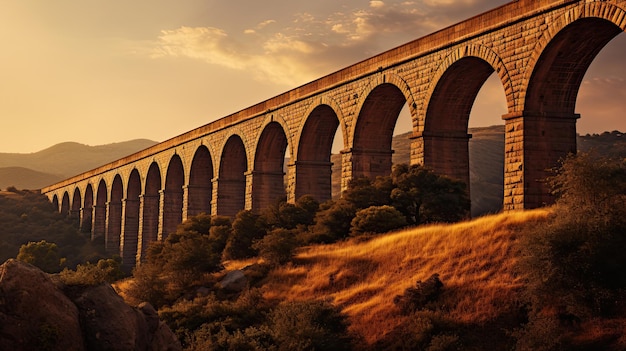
(309,45)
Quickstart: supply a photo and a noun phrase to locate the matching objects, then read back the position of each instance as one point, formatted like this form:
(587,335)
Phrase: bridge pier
(98,221)
(196,200)
(171,212)
(363,162)
(229,196)
(148,223)
(312,178)
(130,230)
(534,144)
(86,214)
(446,153)
(267,188)
(113,227)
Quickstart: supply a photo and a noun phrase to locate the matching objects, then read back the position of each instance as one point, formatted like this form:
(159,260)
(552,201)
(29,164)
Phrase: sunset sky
(98,72)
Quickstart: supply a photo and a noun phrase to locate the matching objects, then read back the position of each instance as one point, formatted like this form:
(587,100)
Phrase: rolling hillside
(45,167)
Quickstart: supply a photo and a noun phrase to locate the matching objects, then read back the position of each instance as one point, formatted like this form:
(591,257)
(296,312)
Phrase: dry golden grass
(475,260)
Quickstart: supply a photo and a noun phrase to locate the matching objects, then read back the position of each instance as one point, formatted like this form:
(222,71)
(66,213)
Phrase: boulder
(35,314)
(234,281)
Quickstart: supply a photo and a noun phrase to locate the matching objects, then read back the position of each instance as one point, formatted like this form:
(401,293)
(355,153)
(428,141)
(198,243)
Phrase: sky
(105,71)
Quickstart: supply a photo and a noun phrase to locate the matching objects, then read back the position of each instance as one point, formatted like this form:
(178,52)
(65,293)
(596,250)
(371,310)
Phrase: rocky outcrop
(38,314)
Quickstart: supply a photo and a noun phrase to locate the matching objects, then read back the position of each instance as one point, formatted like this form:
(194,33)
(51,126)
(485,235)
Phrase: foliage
(246,229)
(290,326)
(425,197)
(575,264)
(376,219)
(106,270)
(43,255)
(277,247)
(332,222)
(174,265)
(28,216)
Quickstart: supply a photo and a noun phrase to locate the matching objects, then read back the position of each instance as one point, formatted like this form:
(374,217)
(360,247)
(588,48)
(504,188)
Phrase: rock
(34,313)
(37,314)
(234,281)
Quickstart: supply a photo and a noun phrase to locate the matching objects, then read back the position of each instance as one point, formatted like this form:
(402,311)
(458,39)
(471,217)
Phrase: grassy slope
(475,261)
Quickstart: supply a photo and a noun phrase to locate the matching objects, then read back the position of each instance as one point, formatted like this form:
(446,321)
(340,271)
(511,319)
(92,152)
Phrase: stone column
(86,214)
(130,232)
(228,197)
(363,162)
(196,200)
(171,214)
(98,224)
(534,144)
(113,227)
(267,188)
(446,153)
(312,178)
(148,223)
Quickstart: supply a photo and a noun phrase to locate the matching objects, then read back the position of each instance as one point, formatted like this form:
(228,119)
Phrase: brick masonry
(235,163)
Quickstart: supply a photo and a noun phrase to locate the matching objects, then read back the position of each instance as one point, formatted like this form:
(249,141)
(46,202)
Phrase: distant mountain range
(61,161)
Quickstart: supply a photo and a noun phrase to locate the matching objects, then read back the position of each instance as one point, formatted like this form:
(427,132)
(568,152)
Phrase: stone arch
(86,216)
(268,175)
(231,184)
(55,202)
(448,104)
(130,227)
(372,132)
(100,211)
(149,225)
(550,88)
(65,204)
(172,197)
(200,186)
(313,167)
(387,79)
(484,53)
(559,76)
(114,216)
(76,205)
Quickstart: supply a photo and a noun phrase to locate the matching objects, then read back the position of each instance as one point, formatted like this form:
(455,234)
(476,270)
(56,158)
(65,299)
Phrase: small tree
(43,255)
(277,246)
(425,197)
(246,229)
(377,219)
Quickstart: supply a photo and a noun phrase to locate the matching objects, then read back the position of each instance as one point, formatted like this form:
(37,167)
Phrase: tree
(246,229)
(377,219)
(425,197)
(43,255)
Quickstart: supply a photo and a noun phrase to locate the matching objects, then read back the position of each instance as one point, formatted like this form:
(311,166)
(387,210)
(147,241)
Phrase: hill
(45,167)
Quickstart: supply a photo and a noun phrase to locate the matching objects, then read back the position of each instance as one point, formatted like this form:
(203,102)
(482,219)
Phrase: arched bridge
(539,49)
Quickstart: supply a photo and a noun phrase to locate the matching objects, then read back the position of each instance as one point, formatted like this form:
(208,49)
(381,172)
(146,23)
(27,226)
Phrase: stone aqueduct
(540,50)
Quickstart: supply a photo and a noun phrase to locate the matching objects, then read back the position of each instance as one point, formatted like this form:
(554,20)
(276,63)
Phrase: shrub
(420,296)
(43,255)
(309,325)
(277,246)
(377,219)
(246,229)
(332,222)
(106,270)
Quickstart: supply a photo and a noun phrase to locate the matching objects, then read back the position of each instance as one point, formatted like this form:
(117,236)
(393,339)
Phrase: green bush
(106,270)
(246,230)
(332,222)
(377,219)
(277,247)
(43,255)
